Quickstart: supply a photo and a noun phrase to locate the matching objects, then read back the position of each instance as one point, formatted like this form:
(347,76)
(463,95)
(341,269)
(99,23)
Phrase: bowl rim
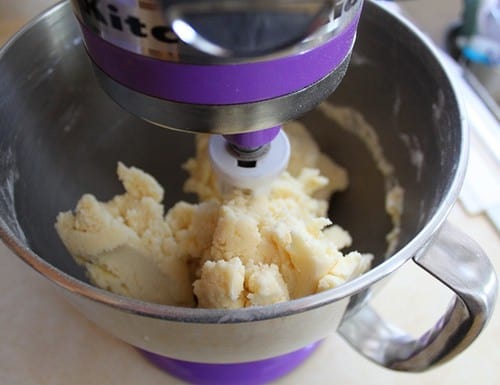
(413,248)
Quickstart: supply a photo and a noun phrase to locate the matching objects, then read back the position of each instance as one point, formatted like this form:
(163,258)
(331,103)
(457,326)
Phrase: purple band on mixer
(253,139)
(247,373)
(219,84)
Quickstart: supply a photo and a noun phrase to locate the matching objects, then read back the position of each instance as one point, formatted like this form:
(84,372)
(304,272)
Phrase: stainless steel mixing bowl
(60,136)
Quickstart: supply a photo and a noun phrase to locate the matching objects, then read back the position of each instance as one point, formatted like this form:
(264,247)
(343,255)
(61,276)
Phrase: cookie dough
(237,250)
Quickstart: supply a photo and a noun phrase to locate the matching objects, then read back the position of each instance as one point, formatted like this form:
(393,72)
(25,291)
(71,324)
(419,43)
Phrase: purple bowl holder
(246,373)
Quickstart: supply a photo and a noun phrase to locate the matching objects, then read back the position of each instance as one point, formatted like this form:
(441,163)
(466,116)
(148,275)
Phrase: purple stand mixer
(234,68)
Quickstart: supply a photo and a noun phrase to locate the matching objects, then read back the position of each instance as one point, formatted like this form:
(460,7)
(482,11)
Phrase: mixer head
(221,66)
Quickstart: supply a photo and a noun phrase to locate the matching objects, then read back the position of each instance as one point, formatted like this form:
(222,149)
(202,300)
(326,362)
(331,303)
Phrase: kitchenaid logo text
(110,15)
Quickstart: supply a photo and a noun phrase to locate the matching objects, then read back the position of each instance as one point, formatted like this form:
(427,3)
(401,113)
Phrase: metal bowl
(61,136)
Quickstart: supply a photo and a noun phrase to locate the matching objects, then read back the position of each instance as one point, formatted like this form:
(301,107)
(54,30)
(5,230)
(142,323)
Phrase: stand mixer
(236,68)
(59,137)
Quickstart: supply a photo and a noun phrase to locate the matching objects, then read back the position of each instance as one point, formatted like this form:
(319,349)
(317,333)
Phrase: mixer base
(246,373)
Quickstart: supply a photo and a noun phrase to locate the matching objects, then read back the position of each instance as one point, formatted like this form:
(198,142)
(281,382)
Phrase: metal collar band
(219,84)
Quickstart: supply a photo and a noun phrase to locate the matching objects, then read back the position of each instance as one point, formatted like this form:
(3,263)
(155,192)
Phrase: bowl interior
(61,136)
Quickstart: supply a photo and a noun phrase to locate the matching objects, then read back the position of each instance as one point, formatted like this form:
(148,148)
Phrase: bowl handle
(459,263)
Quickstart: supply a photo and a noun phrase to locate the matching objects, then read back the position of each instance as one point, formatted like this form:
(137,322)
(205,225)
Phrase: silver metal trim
(221,119)
(147,27)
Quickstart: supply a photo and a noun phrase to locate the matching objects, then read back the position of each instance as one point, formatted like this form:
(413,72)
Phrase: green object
(469,17)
